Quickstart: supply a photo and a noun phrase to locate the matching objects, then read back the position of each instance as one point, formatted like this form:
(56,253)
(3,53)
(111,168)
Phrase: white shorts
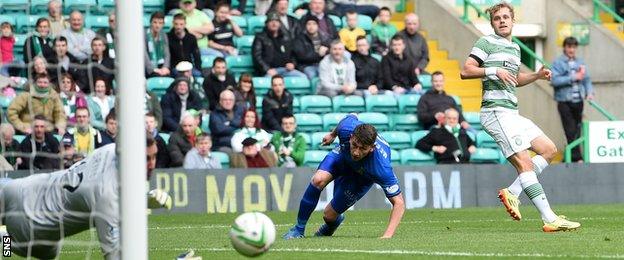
(512,132)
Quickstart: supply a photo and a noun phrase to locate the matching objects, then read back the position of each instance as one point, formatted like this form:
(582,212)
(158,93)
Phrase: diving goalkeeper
(39,211)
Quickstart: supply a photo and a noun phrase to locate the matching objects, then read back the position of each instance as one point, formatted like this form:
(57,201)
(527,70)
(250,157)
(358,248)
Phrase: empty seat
(259,99)
(382,103)
(315,104)
(81,5)
(417,136)
(151,6)
(317,139)
(379,120)
(244,43)
(207,61)
(20,6)
(26,23)
(336,20)
(96,22)
(224,158)
(404,122)
(425,81)
(330,120)
(314,158)
(484,140)
(240,64)
(205,123)
(105,6)
(261,85)
(408,103)
(296,105)
(348,104)
(255,24)
(308,140)
(416,157)
(241,22)
(7,18)
(474,119)
(307,122)
(485,155)
(159,85)
(397,139)
(297,85)
(165,137)
(395,157)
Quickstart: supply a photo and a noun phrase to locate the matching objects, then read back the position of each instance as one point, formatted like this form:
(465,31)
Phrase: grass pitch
(424,233)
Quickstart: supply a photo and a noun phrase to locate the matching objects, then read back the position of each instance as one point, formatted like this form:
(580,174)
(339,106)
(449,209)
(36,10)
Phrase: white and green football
(252,234)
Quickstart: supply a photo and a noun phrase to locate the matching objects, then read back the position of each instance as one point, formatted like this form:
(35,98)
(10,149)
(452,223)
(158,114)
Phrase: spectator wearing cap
(40,100)
(326,25)
(78,37)
(183,47)
(45,147)
(151,127)
(221,40)
(250,127)
(572,84)
(200,156)
(86,138)
(290,25)
(185,70)
(218,79)
(10,145)
(272,50)
(336,73)
(224,121)
(310,47)
(110,133)
(69,152)
(174,103)
(110,34)
(289,145)
(197,23)
(252,157)
(276,104)
(367,69)
(157,57)
(182,140)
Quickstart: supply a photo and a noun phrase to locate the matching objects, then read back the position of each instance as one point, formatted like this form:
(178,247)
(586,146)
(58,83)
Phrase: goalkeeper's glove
(157,198)
(190,255)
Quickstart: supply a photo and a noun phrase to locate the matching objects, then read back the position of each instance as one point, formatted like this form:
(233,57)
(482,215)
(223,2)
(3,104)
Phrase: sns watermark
(6,246)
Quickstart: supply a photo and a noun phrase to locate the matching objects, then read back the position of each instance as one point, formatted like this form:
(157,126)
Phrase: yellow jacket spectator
(348,35)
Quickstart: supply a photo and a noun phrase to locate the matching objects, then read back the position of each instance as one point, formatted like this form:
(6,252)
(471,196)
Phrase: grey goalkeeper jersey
(70,201)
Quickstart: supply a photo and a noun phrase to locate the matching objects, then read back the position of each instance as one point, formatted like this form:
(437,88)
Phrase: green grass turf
(424,233)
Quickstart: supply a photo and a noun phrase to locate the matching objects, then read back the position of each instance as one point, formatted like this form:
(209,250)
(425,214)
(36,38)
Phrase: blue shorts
(349,187)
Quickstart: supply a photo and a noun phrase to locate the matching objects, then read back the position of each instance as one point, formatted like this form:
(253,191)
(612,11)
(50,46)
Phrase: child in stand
(348,35)
(7,41)
(382,32)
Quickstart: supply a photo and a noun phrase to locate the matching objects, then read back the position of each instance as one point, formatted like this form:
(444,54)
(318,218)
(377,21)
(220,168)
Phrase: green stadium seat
(26,23)
(307,122)
(425,81)
(330,120)
(408,103)
(296,105)
(314,158)
(315,104)
(159,85)
(255,24)
(317,139)
(379,120)
(313,83)
(18,6)
(261,85)
(207,61)
(485,155)
(397,139)
(200,80)
(7,18)
(5,102)
(472,136)
(224,158)
(416,157)
(259,99)
(404,122)
(105,6)
(205,123)
(364,22)
(417,135)
(20,40)
(348,104)
(376,56)
(457,100)
(152,6)
(308,140)
(249,6)
(58,137)
(382,103)
(484,140)
(297,85)
(244,43)
(96,22)
(81,5)
(39,6)
(240,64)
(395,157)
(165,137)
(474,119)
(19,138)
(336,20)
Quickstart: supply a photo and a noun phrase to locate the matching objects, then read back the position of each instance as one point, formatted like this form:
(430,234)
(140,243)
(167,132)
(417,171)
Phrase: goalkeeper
(39,211)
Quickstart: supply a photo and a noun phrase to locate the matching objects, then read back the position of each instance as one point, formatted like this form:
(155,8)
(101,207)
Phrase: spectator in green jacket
(289,145)
(382,32)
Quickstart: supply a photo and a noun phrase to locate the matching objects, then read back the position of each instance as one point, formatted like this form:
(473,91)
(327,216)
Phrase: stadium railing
(567,154)
(600,6)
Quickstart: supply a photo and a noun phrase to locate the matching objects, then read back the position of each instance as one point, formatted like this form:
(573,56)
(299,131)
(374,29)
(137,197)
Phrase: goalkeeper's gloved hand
(190,255)
(157,198)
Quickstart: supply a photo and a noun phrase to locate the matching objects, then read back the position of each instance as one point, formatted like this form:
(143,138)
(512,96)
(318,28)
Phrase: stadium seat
(239,64)
(20,40)
(207,61)
(382,103)
(485,155)
(18,6)
(397,139)
(364,22)
(159,85)
(313,83)
(105,6)
(474,119)
(348,104)
(484,140)
(19,138)
(259,99)
(315,104)
(241,22)
(313,158)
(379,120)
(200,80)
(5,102)
(317,139)
(261,85)
(81,5)
(336,20)
(7,18)
(330,120)
(307,122)
(152,6)
(376,56)
(255,24)
(308,140)
(223,158)
(417,135)
(457,100)
(297,85)
(408,103)
(416,157)
(425,81)
(96,22)
(404,122)
(165,137)
(26,23)
(395,157)
(249,6)
(296,105)
(205,123)
(244,43)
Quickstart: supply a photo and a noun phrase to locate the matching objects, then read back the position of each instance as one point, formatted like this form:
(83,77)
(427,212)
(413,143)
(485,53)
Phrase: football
(252,234)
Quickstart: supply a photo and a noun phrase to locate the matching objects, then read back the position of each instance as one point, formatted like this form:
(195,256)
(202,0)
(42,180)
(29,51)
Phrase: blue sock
(337,222)
(307,206)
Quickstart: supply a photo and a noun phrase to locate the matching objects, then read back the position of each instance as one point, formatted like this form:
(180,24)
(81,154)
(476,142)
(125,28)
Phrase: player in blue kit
(360,160)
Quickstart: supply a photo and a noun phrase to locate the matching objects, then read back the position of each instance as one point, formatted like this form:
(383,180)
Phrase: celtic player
(496,60)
